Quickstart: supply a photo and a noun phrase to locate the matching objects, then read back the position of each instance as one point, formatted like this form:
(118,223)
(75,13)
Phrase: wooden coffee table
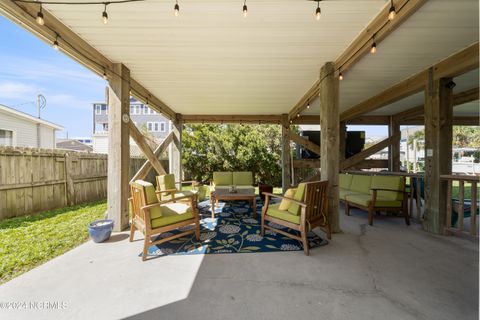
(240,194)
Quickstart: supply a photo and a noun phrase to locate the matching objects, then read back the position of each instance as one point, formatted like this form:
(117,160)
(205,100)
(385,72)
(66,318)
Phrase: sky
(29,66)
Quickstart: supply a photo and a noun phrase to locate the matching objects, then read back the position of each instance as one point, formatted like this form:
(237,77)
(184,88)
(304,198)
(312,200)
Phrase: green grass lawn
(26,242)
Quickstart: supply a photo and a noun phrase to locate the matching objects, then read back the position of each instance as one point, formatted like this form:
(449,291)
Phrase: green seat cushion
(274,211)
(342,193)
(361,183)
(366,199)
(244,178)
(155,212)
(222,178)
(345,180)
(180,194)
(172,213)
(391,183)
(299,195)
(166,182)
(202,192)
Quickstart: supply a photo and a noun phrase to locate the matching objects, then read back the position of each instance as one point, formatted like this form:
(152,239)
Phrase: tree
(257,148)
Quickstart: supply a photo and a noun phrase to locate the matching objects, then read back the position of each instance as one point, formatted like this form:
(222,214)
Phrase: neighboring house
(19,129)
(145,118)
(73,144)
(85,140)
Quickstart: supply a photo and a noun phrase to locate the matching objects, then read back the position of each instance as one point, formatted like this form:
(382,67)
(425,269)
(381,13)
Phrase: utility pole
(41,103)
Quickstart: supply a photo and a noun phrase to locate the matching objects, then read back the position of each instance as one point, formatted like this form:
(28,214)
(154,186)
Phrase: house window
(98,109)
(155,126)
(137,109)
(6,137)
(146,110)
(163,126)
(105,127)
(150,126)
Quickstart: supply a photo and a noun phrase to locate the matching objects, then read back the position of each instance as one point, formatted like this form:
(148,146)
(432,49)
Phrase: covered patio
(375,62)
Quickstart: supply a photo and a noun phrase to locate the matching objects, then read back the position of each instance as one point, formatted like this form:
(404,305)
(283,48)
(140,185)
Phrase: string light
(340,76)
(308,104)
(318,12)
(40,19)
(373,50)
(392,12)
(245,9)
(176,9)
(55,43)
(104,76)
(105,14)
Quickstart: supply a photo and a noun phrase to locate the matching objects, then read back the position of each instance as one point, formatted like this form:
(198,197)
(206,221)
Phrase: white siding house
(19,129)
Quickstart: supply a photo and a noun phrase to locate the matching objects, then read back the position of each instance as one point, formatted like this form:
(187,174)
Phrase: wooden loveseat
(373,194)
(227,179)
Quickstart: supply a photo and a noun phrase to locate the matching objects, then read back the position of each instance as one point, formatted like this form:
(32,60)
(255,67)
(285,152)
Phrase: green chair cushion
(273,211)
(389,182)
(202,192)
(361,183)
(222,178)
(172,213)
(290,193)
(155,212)
(342,193)
(166,182)
(299,195)
(345,180)
(244,178)
(180,194)
(366,199)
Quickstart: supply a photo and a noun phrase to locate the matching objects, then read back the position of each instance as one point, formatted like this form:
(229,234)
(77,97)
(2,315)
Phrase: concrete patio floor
(388,271)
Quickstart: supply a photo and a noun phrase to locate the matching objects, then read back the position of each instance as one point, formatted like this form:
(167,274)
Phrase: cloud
(17,90)
(68,101)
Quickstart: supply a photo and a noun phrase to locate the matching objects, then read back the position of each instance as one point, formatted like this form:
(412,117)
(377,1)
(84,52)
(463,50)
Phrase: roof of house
(26,116)
(72,144)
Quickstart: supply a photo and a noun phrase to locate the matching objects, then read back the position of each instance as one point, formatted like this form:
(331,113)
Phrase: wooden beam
(458,63)
(301,105)
(438,150)
(394,148)
(380,27)
(458,99)
(329,139)
(147,166)
(256,119)
(364,164)
(457,121)
(175,151)
(118,147)
(74,46)
(362,120)
(304,143)
(357,158)
(143,145)
(286,154)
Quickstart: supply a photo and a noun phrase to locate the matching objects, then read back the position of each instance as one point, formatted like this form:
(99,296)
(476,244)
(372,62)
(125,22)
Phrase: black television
(355,141)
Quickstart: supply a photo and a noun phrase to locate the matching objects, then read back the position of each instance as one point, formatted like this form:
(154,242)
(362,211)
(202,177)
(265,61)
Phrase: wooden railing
(414,199)
(460,206)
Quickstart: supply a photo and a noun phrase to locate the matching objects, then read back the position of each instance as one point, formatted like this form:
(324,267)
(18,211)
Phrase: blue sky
(29,66)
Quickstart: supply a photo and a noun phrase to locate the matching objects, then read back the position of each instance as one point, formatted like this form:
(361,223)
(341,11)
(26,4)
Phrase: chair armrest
(271,195)
(384,189)
(166,191)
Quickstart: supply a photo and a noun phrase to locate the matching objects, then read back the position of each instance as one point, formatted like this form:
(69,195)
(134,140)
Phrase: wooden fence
(34,180)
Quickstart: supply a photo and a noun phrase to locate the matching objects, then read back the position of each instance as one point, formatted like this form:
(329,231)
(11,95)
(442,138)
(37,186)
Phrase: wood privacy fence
(33,180)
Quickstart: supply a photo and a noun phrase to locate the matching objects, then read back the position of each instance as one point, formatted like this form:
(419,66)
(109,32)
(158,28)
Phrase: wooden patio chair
(306,210)
(166,189)
(153,217)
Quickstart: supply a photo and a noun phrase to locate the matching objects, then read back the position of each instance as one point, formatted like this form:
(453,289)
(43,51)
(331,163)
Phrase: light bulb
(317,13)
(245,11)
(105,15)
(308,105)
(104,76)
(373,50)
(176,10)
(392,13)
(55,45)
(40,19)
(340,76)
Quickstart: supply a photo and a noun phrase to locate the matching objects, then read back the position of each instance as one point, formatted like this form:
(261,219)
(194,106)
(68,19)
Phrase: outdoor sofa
(227,179)
(374,193)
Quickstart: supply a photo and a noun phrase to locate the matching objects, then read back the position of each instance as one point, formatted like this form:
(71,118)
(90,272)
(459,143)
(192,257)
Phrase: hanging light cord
(77,2)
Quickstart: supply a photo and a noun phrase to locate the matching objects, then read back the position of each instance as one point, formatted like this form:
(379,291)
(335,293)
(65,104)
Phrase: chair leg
(262,224)
(132,231)
(347,208)
(329,232)
(146,244)
(370,217)
(197,229)
(407,217)
(305,242)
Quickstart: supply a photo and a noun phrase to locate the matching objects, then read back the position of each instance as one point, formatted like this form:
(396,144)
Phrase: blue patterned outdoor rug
(232,231)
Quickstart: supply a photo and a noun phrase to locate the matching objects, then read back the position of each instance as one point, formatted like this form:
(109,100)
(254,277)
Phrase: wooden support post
(175,151)
(118,146)
(394,148)
(286,154)
(438,149)
(343,139)
(329,140)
